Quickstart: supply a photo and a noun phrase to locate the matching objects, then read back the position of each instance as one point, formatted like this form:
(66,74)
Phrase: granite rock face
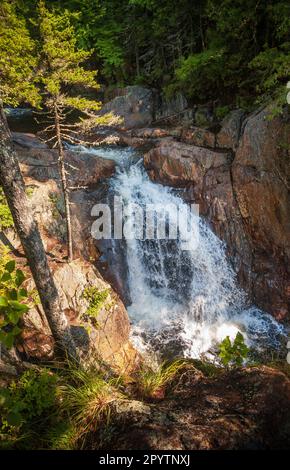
(242,186)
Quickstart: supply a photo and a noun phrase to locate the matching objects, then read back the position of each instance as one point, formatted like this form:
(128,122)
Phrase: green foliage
(24,404)
(97,300)
(13,301)
(62,61)
(6,220)
(234,353)
(201,73)
(88,398)
(17,59)
(185,46)
(151,383)
(221,112)
(33,394)
(209,369)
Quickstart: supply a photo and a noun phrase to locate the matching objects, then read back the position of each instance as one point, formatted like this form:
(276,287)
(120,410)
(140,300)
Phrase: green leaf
(13,294)
(23,293)
(10,266)
(6,277)
(19,277)
(14,316)
(18,306)
(8,340)
(3,301)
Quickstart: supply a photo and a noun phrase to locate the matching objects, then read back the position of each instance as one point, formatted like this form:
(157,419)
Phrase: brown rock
(107,338)
(229,135)
(242,409)
(245,198)
(261,180)
(198,136)
(179,164)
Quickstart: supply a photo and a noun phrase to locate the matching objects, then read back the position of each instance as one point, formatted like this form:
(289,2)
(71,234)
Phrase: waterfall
(182,301)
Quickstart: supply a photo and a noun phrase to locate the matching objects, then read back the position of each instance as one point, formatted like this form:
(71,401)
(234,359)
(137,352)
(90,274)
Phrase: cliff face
(240,178)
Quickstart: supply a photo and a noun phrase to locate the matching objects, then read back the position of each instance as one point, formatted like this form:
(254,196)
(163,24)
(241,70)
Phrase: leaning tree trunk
(64,184)
(27,229)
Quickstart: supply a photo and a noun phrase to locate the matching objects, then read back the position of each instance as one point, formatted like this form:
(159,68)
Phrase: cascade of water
(185,299)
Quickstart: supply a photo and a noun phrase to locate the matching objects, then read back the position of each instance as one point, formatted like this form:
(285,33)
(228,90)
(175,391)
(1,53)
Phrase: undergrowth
(151,383)
(69,407)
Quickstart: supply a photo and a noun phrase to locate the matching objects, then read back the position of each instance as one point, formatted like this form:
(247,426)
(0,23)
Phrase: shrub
(13,301)
(97,300)
(24,404)
(234,353)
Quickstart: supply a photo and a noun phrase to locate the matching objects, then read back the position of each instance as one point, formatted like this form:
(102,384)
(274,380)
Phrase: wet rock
(181,165)
(27,140)
(148,136)
(86,176)
(261,182)
(40,163)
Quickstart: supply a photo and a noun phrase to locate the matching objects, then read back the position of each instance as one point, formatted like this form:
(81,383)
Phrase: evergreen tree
(17,85)
(61,71)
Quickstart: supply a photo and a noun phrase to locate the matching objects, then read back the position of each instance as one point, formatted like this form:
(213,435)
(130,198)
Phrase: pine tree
(17,85)
(61,72)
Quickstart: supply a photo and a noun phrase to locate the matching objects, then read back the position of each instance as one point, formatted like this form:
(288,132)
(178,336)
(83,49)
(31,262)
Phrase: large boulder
(105,336)
(178,164)
(135,105)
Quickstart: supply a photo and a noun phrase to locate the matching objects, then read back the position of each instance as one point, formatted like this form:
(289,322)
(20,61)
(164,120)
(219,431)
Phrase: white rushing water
(182,301)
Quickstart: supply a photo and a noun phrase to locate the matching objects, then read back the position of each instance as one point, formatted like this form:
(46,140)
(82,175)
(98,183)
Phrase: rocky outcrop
(241,183)
(38,162)
(135,105)
(182,165)
(243,409)
(105,336)
(86,176)
(228,136)
(261,183)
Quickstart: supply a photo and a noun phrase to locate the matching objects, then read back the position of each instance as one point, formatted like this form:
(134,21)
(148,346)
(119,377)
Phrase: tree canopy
(236,51)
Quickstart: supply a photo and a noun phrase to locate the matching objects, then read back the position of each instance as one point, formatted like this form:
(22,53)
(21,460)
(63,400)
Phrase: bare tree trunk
(64,184)
(14,190)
